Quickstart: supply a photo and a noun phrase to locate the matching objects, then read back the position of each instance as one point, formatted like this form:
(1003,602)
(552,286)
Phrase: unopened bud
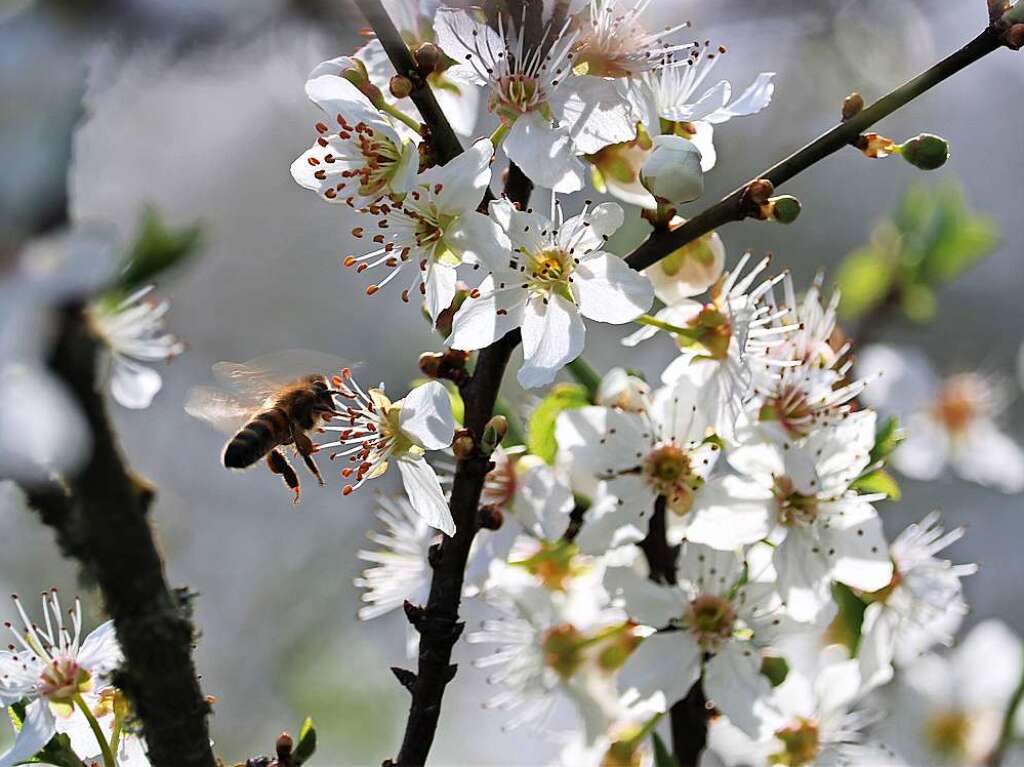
(283,747)
(926,151)
(494,433)
(463,444)
(672,173)
(427,56)
(1014,37)
(760,190)
(1016,14)
(358,76)
(785,209)
(400,86)
(490,518)
(430,364)
(996,9)
(852,105)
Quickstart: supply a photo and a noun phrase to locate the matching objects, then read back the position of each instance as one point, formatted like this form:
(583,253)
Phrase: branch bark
(733,206)
(100,518)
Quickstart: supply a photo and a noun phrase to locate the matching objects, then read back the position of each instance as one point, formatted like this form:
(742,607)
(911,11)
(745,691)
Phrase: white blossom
(951,422)
(435,229)
(557,274)
(52,669)
(798,496)
(358,157)
(922,606)
(376,432)
(133,329)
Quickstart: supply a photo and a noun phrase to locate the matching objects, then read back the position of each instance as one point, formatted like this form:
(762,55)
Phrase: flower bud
(875,145)
(359,77)
(672,173)
(283,747)
(852,105)
(760,190)
(494,433)
(490,518)
(1014,37)
(785,209)
(430,364)
(427,56)
(926,151)
(1016,14)
(463,444)
(400,86)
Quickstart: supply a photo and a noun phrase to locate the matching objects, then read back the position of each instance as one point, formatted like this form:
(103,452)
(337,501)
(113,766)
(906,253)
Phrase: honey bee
(274,402)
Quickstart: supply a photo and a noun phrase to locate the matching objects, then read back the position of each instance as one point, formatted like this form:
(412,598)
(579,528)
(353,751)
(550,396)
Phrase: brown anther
(372,289)
(852,105)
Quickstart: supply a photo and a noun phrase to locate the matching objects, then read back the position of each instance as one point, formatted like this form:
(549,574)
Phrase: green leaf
(662,756)
(157,248)
(888,437)
(541,427)
(775,668)
(846,627)
(306,745)
(865,278)
(879,481)
(919,302)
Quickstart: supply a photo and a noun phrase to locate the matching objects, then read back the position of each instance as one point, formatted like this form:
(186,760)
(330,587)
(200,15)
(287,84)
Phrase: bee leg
(278,464)
(306,449)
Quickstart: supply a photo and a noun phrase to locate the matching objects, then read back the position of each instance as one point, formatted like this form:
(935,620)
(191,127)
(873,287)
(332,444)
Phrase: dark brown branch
(733,207)
(101,518)
(442,137)
(689,716)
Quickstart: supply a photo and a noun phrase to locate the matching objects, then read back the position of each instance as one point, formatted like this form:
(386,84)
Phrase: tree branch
(734,206)
(689,716)
(100,518)
(442,137)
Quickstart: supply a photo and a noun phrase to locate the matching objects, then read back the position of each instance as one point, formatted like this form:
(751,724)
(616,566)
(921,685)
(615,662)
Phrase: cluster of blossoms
(56,681)
(753,455)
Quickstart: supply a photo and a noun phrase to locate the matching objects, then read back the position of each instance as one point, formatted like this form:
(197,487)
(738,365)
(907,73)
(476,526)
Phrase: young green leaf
(541,427)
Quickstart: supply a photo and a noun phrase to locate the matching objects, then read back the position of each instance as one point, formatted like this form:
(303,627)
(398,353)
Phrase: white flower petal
(482,321)
(803,574)
(644,600)
(477,238)
(543,502)
(544,154)
(426,416)
(755,98)
(666,661)
(133,385)
(553,336)
(439,283)
(609,291)
(730,511)
(596,112)
(463,179)
(425,493)
(734,683)
(37,729)
(100,653)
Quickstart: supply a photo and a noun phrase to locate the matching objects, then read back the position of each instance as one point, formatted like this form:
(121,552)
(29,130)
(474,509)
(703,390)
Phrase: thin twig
(734,206)
(100,516)
(442,137)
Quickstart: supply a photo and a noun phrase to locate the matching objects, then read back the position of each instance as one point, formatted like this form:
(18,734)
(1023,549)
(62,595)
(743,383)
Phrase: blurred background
(197,108)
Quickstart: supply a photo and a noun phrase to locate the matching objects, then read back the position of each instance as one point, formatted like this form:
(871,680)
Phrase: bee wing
(226,412)
(262,376)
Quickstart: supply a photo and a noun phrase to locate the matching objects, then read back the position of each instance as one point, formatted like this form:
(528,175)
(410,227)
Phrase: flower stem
(585,375)
(398,114)
(1006,734)
(499,135)
(108,755)
(654,322)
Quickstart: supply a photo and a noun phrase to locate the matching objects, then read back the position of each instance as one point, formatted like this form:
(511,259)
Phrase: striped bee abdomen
(262,434)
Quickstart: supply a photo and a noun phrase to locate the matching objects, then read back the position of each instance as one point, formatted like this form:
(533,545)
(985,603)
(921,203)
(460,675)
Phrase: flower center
(710,619)
(563,649)
(378,154)
(515,95)
(800,743)
(794,508)
(959,402)
(791,409)
(554,564)
(62,679)
(713,332)
(667,469)
(948,732)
